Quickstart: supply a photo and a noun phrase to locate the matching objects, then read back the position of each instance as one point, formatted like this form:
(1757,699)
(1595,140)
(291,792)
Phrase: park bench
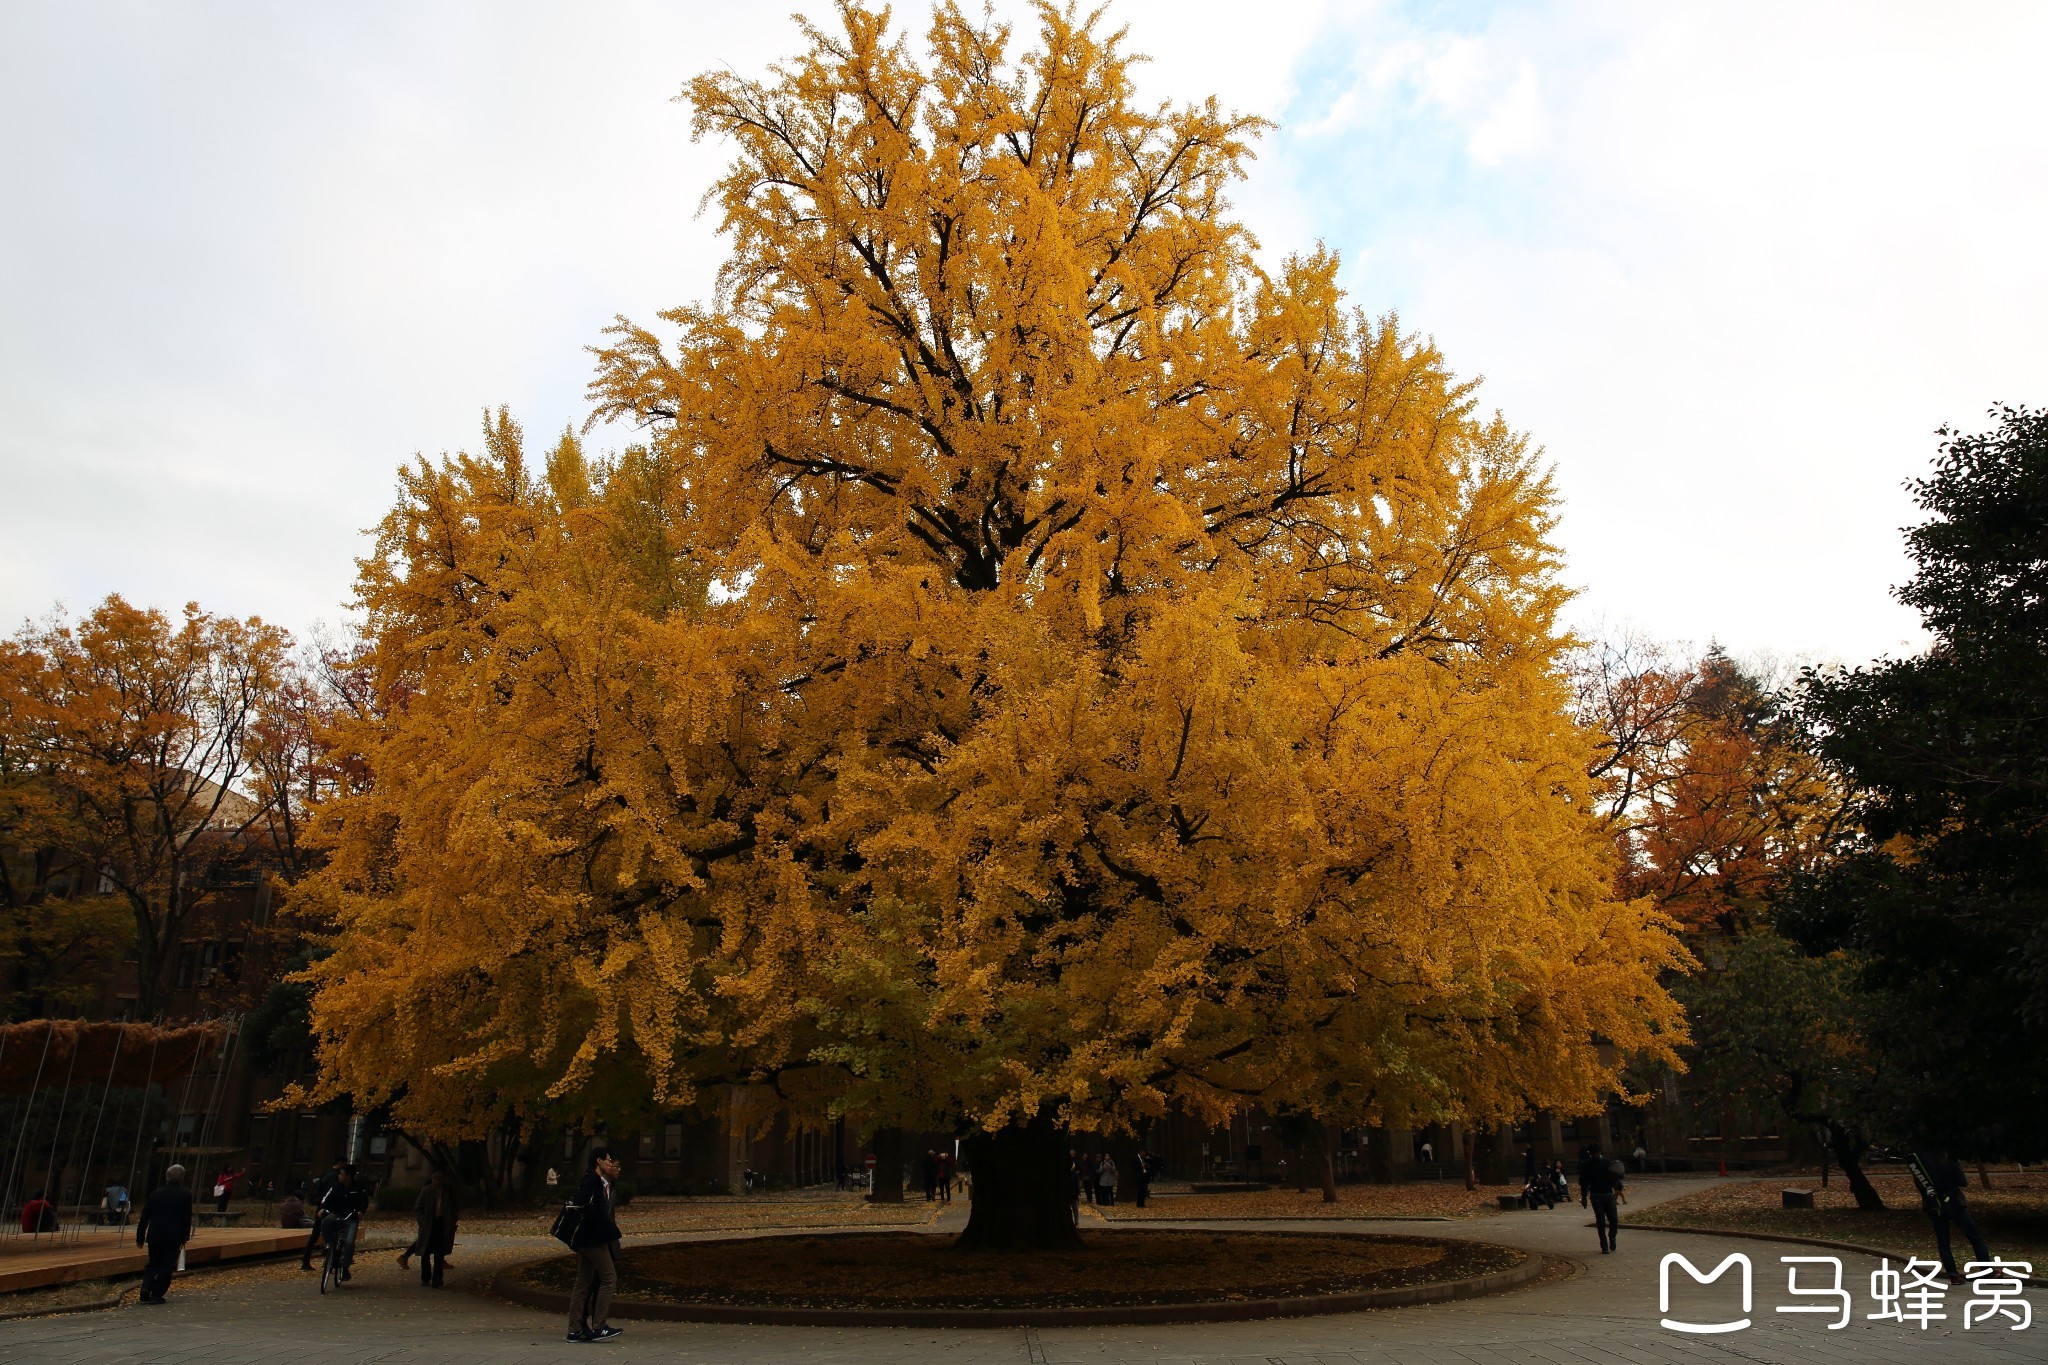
(1797,1199)
(1511,1201)
(214,1218)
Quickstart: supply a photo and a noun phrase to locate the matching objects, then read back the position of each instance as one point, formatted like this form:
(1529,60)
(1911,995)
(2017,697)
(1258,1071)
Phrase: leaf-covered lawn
(711,1214)
(2013,1214)
(1407,1199)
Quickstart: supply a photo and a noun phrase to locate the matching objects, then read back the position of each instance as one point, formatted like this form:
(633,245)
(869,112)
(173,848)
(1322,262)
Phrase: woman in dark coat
(435,1213)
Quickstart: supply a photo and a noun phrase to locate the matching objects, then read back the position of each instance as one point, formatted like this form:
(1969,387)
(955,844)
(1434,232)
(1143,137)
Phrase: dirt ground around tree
(1111,1268)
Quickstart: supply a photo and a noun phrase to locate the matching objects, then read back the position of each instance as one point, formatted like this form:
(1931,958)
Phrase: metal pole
(142,1111)
(92,1148)
(27,1113)
(223,1059)
(178,1120)
(57,1128)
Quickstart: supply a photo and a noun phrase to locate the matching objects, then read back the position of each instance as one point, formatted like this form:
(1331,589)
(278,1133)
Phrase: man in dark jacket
(1601,1187)
(341,1216)
(164,1228)
(596,1245)
(1941,1180)
(313,1198)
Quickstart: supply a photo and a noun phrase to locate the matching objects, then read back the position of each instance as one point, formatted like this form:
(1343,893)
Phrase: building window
(231,963)
(185,960)
(647,1146)
(209,965)
(672,1142)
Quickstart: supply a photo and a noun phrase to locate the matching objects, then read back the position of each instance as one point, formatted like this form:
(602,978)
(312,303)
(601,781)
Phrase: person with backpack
(1600,1186)
(595,1240)
(1940,1179)
(341,1216)
(313,1198)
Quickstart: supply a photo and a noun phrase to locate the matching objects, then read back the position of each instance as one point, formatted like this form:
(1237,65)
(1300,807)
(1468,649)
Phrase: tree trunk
(1983,1175)
(1471,1175)
(1849,1155)
(887,1185)
(1379,1156)
(1326,1148)
(1022,1187)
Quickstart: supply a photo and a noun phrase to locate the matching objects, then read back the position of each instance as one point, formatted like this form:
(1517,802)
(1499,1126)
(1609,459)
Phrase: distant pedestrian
(1428,1154)
(292,1212)
(1075,1180)
(1941,1181)
(945,1177)
(1105,1181)
(596,1244)
(164,1228)
(434,1216)
(224,1188)
(1141,1177)
(38,1214)
(1600,1186)
(930,1171)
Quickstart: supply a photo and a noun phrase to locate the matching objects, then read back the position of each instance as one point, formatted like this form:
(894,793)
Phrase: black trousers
(1606,1219)
(432,1263)
(1957,1212)
(163,1263)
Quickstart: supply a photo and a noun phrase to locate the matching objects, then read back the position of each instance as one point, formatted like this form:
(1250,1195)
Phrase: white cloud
(1730,264)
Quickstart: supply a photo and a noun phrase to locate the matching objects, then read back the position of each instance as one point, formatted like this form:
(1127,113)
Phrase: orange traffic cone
(1724,1168)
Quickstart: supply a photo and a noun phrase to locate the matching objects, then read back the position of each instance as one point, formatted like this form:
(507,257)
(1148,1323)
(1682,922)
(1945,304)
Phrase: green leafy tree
(1942,897)
(1771,1024)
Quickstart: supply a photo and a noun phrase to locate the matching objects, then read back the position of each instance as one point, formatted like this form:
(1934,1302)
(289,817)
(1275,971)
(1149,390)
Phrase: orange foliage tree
(133,731)
(1040,669)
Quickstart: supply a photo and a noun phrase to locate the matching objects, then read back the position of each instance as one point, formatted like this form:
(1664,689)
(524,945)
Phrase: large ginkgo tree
(1038,669)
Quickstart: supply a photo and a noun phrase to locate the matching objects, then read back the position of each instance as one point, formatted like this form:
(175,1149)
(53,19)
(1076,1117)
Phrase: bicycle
(340,1241)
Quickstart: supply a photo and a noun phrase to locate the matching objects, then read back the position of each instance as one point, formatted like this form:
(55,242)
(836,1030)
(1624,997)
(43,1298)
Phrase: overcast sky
(1731,265)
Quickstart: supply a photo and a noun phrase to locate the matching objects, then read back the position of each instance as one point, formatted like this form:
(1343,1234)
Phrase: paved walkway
(1606,1313)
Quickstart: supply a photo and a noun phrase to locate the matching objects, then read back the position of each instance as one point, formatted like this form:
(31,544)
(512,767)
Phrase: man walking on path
(596,1245)
(1941,1181)
(165,1227)
(1601,1187)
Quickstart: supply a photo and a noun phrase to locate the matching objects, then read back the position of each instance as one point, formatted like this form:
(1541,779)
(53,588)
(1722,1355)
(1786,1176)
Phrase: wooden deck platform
(101,1253)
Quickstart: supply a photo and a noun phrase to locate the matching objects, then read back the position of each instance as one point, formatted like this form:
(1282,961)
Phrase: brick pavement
(1605,1314)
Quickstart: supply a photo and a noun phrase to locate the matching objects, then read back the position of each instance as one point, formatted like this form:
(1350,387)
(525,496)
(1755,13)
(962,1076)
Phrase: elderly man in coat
(165,1227)
(435,1213)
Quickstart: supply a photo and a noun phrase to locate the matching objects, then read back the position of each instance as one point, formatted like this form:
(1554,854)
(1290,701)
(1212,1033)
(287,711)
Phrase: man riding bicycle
(341,1214)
